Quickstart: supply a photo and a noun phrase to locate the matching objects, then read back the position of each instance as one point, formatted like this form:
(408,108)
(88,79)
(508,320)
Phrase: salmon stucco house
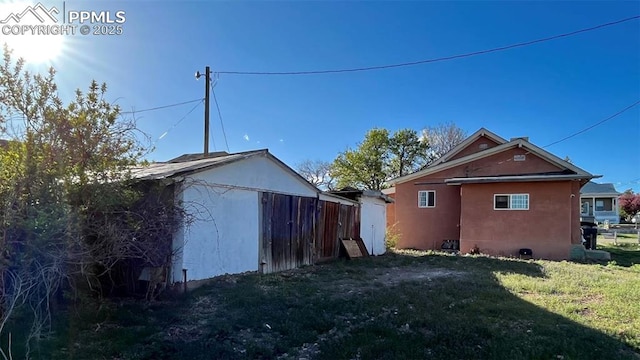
(493,196)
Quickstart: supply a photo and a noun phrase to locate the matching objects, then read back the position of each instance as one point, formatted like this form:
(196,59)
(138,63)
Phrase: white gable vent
(483,146)
(519,157)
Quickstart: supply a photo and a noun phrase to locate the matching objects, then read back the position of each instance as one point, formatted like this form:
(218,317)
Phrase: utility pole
(207,83)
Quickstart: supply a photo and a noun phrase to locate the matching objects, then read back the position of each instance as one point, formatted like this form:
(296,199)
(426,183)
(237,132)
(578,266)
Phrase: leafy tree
(408,152)
(69,213)
(366,167)
(442,138)
(630,204)
(318,173)
(380,157)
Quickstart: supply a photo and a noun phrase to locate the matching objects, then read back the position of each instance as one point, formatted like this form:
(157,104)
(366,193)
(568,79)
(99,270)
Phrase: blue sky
(545,91)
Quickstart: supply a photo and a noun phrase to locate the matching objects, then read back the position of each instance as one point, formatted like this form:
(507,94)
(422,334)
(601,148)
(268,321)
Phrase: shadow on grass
(390,307)
(624,254)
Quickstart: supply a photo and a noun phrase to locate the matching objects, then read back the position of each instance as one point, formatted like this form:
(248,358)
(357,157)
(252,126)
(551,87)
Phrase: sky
(546,91)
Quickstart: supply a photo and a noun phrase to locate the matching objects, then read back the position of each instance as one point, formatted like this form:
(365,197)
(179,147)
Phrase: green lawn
(405,305)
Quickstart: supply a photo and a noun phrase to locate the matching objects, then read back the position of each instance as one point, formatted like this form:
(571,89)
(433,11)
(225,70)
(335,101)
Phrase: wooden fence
(300,230)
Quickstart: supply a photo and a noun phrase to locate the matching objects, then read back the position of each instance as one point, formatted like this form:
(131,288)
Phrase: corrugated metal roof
(164,170)
(595,188)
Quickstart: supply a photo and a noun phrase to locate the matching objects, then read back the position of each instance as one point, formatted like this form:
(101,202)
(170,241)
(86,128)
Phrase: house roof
(518,142)
(592,188)
(473,137)
(180,167)
(515,178)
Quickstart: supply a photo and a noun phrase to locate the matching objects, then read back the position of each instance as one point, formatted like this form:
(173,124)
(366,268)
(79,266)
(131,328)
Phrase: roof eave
(527,178)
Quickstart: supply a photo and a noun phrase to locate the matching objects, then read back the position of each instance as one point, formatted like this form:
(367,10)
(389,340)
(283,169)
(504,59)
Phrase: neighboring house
(373,216)
(251,212)
(493,196)
(600,202)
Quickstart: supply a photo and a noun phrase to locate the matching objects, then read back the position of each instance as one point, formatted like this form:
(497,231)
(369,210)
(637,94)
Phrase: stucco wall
(224,239)
(426,228)
(474,147)
(373,224)
(576,234)
(259,173)
(546,227)
(391,212)
(225,202)
(499,164)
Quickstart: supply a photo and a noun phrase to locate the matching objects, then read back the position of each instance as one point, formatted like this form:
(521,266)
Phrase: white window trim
(427,204)
(510,208)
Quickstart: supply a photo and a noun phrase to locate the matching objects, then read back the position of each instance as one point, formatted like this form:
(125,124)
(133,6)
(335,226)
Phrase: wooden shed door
(288,230)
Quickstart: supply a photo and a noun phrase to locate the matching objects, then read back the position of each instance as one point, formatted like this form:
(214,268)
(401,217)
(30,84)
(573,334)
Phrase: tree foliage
(408,152)
(69,214)
(379,158)
(630,204)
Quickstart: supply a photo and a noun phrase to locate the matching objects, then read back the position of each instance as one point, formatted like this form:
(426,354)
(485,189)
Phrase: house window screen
(511,201)
(604,204)
(426,199)
(502,201)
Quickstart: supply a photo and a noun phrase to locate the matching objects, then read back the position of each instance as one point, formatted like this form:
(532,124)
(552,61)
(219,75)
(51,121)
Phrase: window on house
(511,201)
(426,199)
(604,204)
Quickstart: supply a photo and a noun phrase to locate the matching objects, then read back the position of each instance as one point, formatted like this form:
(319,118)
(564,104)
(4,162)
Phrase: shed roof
(164,170)
(185,165)
(353,193)
(592,188)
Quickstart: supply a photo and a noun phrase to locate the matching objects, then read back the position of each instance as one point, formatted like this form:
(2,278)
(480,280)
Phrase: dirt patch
(397,275)
(374,278)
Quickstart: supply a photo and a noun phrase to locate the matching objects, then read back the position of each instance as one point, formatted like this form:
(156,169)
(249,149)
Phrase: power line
(161,107)
(179,121)
(596,124)
(412,63)
(215,100)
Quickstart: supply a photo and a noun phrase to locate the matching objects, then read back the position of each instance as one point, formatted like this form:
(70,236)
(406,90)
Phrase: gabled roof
(592,188)
(198,156)
(164,170)
(519,142)
(468,141)
(172,169)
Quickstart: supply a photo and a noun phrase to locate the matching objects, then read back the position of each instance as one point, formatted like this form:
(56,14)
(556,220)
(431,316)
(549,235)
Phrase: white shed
(373,217)
(225,193)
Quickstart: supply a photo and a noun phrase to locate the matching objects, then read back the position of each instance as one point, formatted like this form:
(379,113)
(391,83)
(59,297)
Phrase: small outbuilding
(249,212)
(373,216)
